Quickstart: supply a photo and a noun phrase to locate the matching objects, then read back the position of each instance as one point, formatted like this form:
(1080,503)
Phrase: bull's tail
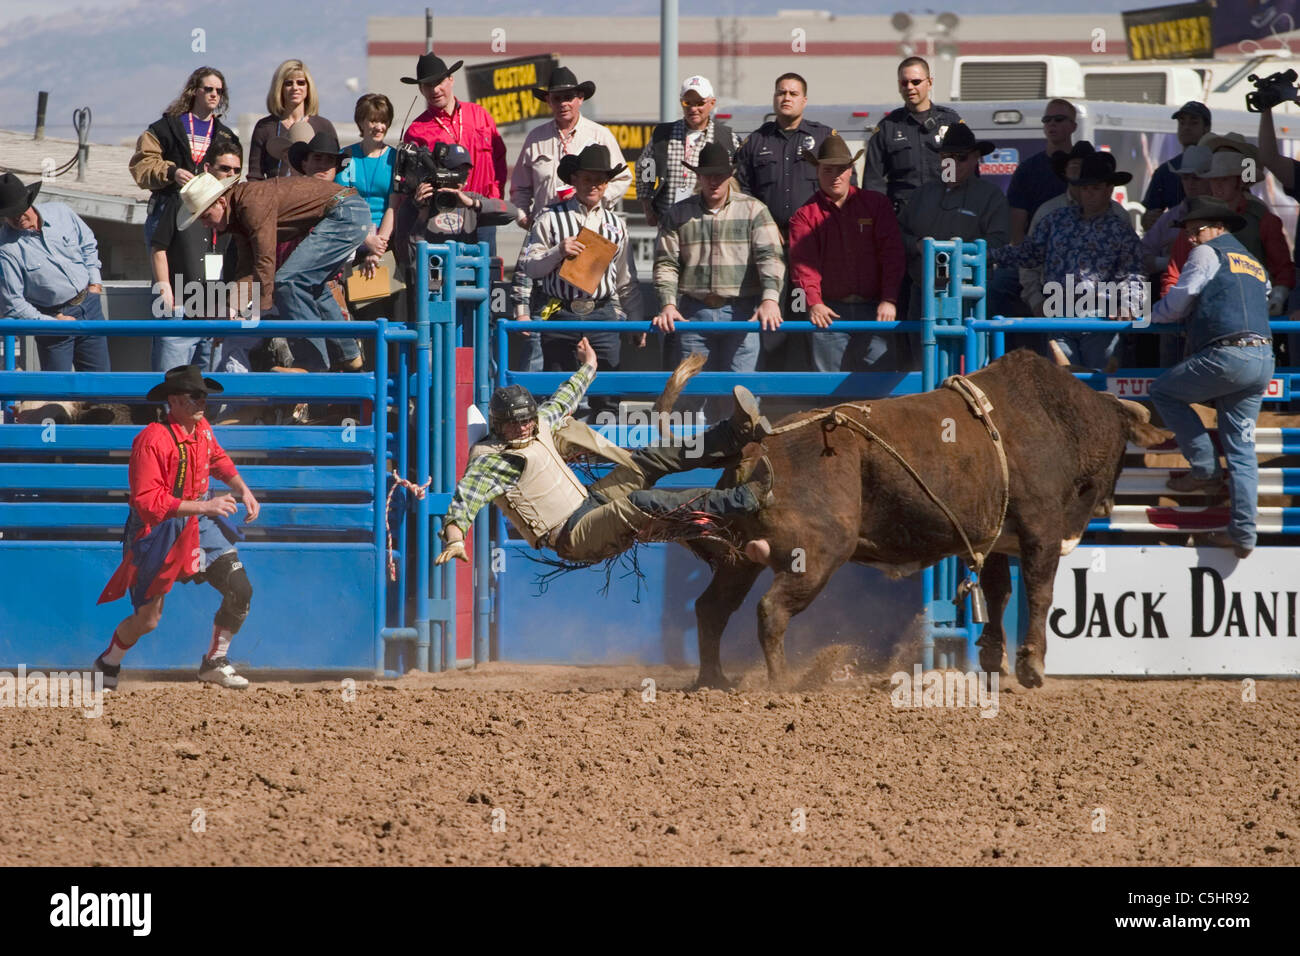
(677,381)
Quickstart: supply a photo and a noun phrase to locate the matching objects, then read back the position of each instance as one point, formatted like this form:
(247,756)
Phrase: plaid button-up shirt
(491,475)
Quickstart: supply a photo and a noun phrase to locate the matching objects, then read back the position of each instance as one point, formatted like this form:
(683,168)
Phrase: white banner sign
(1172,610)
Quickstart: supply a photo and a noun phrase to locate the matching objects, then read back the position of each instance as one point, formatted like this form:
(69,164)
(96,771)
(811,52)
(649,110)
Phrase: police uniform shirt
(903,154)
(770,166)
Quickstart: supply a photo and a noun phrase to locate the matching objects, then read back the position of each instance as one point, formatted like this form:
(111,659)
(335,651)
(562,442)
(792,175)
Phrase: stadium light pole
(667,60)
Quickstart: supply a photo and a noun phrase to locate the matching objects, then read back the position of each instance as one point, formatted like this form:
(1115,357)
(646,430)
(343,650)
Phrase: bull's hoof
(994,660)
(1029,668)
(716,681)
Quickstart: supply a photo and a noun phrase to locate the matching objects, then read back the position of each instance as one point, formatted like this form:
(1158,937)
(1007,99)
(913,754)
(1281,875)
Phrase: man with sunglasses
(662,179)
(178,531)
(1222,293)
(903,153)
(186,261)
(1035,180)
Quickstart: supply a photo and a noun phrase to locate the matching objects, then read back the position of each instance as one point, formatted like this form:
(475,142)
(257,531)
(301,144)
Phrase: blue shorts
(212,540)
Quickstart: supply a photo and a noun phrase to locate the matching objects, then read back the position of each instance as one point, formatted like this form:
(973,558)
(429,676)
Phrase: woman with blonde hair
(292,97)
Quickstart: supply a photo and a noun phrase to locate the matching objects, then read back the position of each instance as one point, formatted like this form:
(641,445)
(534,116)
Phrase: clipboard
(585,270)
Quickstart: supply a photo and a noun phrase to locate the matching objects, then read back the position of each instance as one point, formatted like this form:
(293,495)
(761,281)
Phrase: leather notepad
(585,270)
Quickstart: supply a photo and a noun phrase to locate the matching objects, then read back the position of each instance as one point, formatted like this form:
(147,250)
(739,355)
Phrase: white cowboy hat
(1234,141)
(200,193)
(1195,161)
(1226,163)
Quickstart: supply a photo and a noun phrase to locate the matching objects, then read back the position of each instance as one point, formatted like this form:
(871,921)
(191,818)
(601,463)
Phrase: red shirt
(854,249)
(474,128)
(1278,262)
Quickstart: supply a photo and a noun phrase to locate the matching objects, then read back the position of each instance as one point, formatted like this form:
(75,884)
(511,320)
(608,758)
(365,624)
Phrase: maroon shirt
(855,249)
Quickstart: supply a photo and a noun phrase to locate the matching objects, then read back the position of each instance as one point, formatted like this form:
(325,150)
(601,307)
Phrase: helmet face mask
(512,404)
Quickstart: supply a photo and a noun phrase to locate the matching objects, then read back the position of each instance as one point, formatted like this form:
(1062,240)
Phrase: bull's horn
(1058,354)
(1138,411)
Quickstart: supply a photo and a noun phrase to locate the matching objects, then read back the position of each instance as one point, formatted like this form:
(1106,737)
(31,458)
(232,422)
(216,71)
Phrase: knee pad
(227,575)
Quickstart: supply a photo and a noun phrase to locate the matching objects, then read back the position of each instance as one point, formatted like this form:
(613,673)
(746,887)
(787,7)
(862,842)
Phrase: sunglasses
(1056,118)
(1193,233)
(565,96)
(233,170)
(694,104)
(212,89)
(914,82)
(295,82)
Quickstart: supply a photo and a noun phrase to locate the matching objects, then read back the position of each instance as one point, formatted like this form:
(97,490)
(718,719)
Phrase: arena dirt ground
(581,770)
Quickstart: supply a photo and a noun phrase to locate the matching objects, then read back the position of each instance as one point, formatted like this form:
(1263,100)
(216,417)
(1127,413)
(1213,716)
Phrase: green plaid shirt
(490,476)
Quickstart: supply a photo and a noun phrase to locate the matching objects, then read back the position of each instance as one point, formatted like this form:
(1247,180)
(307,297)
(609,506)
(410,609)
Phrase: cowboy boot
(745,418)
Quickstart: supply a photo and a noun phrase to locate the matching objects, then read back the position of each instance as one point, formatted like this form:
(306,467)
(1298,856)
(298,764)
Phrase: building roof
(108,191)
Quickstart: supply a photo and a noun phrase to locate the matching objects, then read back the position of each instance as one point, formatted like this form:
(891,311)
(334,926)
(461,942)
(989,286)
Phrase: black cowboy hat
(1099,168)
(833,152)
(562,79)
(182,378)
(960,138)
(1206,209)
(714,161)
(594,159)
(323,141)
(15,198)
(1079,150)
(431,68)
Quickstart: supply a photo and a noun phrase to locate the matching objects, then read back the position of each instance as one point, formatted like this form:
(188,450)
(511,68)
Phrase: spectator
(554,238)
(49,268)
(1067,166)
(1158,240)
(903,153)
(1165,190)
(662,176)
(719,255)
(1037,180)
(1224,293)
(185,262)
(457,214)
(369,168)
(846,255)
(291,98)
(536,184)
(1261,231)
(959,205)
(171,151)
(331,222)
(1092,261)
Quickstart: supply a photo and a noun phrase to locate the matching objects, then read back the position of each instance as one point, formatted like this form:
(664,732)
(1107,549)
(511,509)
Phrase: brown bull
(840,496)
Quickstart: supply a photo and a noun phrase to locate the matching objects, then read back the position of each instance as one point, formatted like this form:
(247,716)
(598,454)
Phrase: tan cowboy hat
(1224,164)
(277,147)
(200,193)
(833,152)
(1234,141)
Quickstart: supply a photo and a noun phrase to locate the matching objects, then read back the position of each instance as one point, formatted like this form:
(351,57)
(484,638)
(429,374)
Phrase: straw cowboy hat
(182,378)
(1206,209)
(562,79)
(431,68)
(200,193)
(1226,164)
(833,152)
(15,198)
(1234,141)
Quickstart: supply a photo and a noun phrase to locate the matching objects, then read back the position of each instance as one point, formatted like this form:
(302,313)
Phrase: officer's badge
(807,146)
(938,137)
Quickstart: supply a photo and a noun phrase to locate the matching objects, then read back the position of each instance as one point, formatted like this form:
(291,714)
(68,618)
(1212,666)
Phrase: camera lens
(445,201)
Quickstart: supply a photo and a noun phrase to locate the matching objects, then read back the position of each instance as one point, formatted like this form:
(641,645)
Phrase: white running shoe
(218,670)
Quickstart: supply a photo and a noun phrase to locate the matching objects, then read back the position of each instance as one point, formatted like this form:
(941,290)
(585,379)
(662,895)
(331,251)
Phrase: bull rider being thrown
(520,466)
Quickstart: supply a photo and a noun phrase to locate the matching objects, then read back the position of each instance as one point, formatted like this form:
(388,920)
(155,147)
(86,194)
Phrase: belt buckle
(582,306)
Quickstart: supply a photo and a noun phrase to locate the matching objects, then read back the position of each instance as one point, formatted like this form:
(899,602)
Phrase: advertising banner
(1177,32)
(505,88)
(1175,611)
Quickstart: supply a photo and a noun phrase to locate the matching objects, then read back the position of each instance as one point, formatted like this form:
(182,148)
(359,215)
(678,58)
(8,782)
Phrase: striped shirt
(541,257)
(488,477)
(734,250)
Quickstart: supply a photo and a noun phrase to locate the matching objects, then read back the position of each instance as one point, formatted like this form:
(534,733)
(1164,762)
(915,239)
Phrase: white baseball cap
(699,84)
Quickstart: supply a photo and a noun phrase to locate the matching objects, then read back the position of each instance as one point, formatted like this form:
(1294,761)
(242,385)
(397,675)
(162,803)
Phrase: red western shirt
(474,128)
(854,249)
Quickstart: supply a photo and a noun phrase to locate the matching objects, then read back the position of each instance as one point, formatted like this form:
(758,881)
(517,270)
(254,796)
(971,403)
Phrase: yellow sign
(1170,39)
(632,138)
(505,88)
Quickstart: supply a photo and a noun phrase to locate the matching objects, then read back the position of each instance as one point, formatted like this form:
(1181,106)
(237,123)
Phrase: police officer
(769,164)
(903,153)
(1223,292)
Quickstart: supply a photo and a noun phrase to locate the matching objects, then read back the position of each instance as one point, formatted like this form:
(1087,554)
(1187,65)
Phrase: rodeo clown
(176,532)
(521,468)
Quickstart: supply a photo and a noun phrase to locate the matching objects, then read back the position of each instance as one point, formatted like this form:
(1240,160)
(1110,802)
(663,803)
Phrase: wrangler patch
(1245,264)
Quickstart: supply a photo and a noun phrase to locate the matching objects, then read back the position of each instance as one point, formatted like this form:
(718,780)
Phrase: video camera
(446,166)
(1271,91)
